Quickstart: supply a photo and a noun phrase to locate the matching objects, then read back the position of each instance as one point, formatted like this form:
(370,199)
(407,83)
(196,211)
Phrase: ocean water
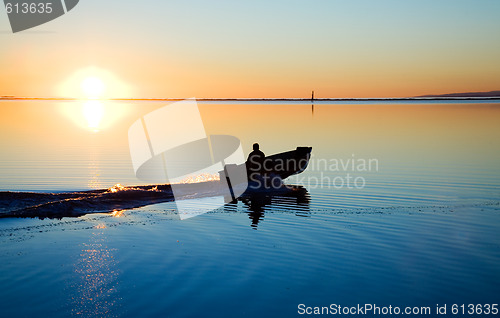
(399,207)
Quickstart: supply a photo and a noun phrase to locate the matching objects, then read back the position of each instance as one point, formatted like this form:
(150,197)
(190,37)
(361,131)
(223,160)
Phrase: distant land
(465,95)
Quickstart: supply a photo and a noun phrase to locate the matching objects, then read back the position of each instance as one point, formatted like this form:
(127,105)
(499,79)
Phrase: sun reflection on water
(204,177)
(94,181)
(117,187)
(117,213)
(97,277)
(93,111)
(95,115)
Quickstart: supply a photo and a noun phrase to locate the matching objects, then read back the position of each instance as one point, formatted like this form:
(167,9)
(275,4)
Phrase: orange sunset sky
(257,49)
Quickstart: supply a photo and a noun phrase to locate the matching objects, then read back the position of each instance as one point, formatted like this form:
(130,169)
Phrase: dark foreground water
(419,228)
(149,263)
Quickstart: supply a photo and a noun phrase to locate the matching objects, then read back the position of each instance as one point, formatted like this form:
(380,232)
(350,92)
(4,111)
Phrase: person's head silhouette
(255,146)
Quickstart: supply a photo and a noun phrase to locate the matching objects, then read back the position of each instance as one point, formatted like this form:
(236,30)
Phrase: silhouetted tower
(312,102)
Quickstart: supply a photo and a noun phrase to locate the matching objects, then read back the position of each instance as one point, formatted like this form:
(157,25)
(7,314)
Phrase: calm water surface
(418,228)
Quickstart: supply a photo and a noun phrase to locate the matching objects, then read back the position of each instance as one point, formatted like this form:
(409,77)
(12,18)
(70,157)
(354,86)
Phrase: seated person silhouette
(255,163)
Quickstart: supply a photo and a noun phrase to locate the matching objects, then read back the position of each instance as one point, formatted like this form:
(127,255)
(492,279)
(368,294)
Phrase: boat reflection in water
(294,200)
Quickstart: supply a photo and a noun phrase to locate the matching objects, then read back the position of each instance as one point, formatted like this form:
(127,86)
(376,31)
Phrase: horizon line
(9,97)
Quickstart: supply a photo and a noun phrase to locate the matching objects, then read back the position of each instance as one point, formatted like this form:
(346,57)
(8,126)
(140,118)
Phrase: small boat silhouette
(275,168)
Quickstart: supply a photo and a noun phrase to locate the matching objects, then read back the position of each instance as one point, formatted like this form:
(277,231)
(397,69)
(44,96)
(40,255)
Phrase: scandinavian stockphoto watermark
(27,14)
(363,309)
(337,173)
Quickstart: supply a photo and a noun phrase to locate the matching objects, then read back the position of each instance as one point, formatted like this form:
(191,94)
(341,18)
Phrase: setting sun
(94,83)
(93,87)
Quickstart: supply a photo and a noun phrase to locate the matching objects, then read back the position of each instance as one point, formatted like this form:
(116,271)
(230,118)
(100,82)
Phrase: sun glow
(94,83)
(93,110)
(93,87)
